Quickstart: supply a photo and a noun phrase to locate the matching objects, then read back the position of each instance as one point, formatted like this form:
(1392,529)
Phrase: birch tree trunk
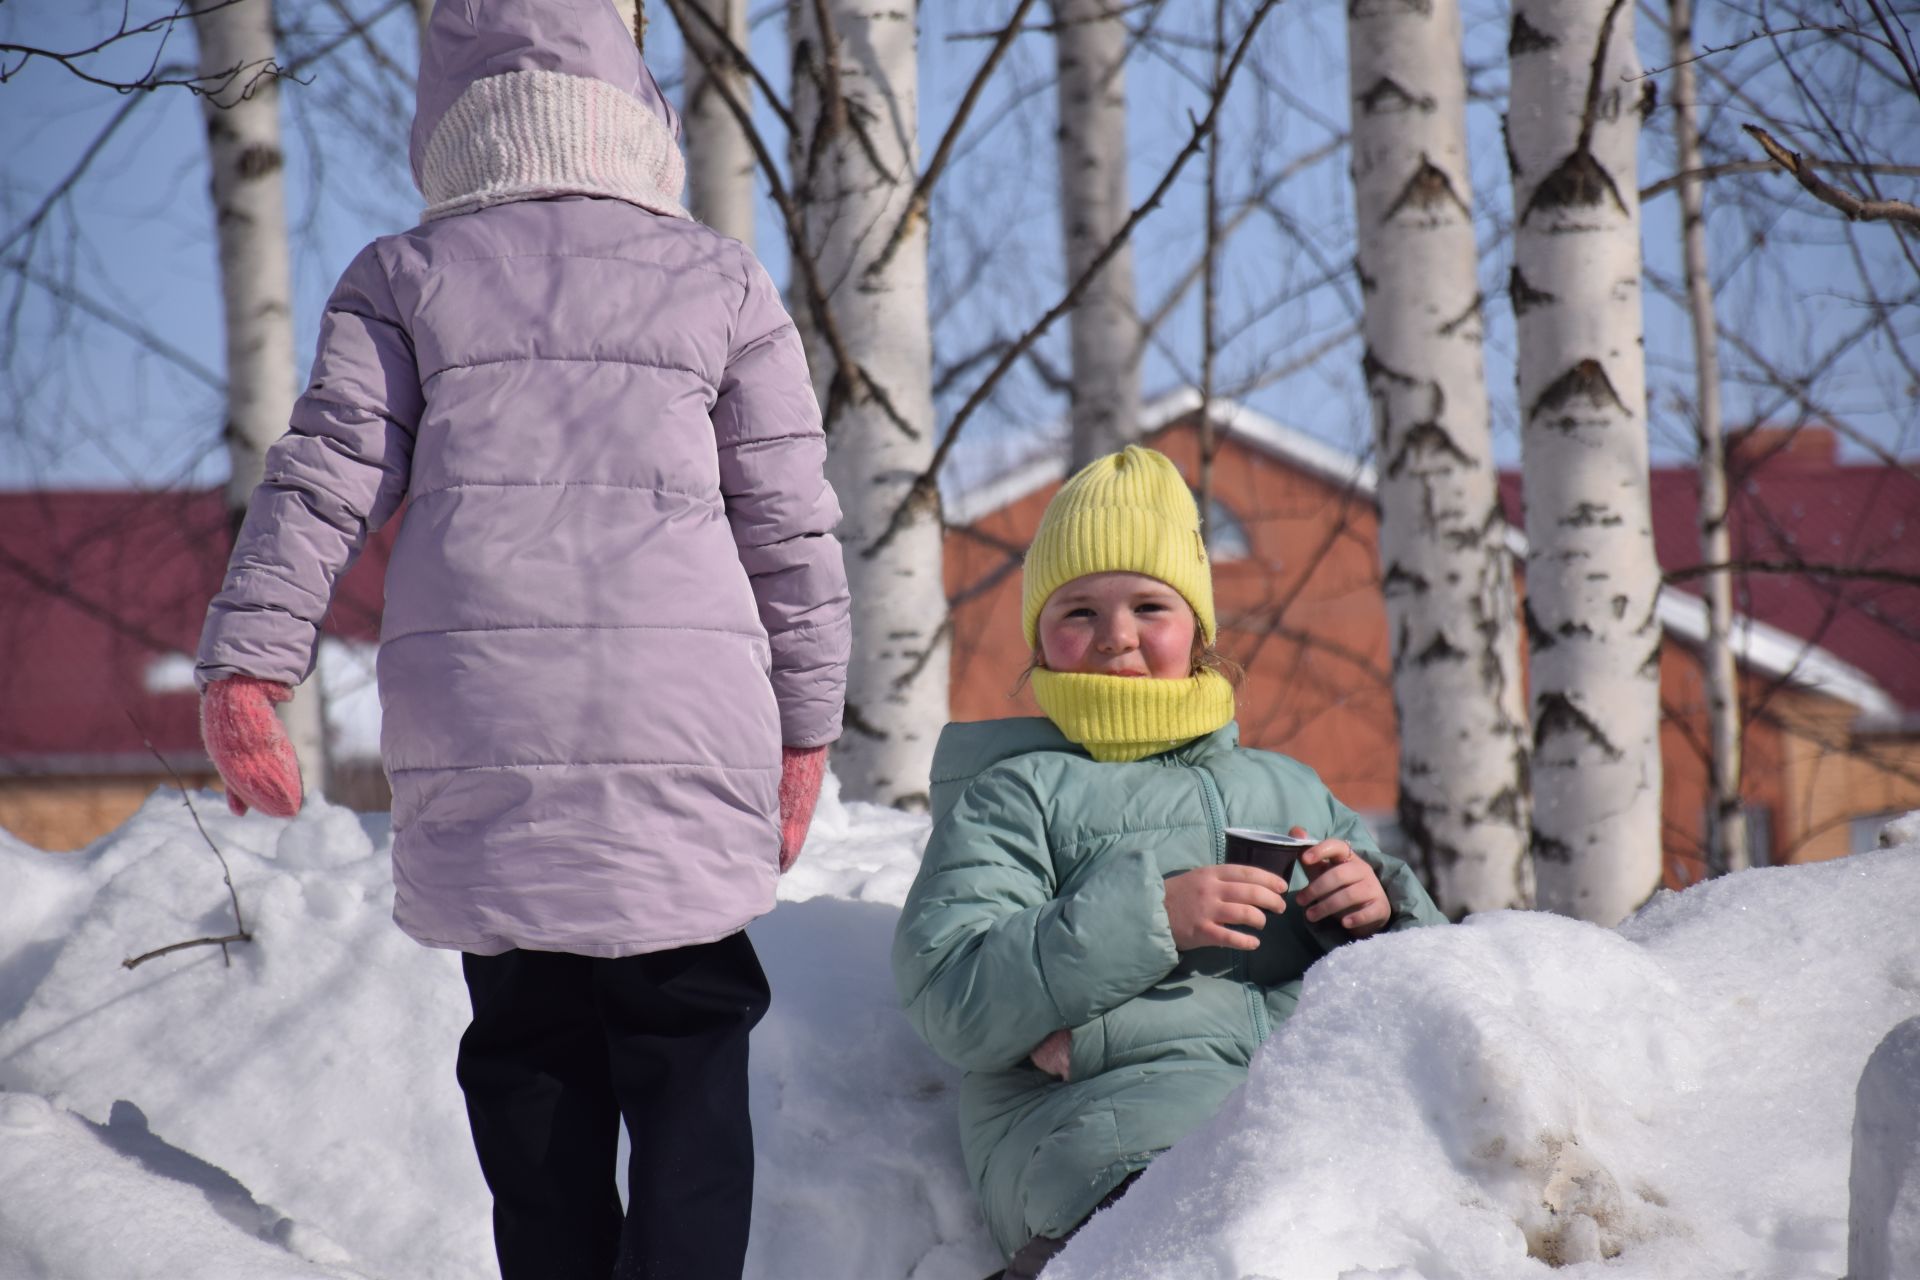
(720,160)
(1090,47)
(632,15)
(256,285)
(1726,819)
(1210,436)
(856,104)
(1592,580)
(1447,572)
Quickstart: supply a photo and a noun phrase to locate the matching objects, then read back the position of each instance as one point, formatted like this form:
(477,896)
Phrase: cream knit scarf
(527,135)
(1122,718)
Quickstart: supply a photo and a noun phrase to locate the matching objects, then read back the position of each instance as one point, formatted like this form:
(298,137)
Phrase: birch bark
(1592,580)
(256,285)
(720,160)
(856,103)
(1726,819)
(633,14)
(1090,48)
(1445,566)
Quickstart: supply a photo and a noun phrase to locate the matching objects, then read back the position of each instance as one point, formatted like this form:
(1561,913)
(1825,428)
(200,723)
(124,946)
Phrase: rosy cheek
(1062,650)
(1171,652)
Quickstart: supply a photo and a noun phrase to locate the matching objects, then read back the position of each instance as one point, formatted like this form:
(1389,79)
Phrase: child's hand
(1054,1054)
(802,770)
(1201,904)
(1340,882)
(249,746)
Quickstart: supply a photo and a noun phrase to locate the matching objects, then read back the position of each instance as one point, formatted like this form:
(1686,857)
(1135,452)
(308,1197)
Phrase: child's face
(1118,624)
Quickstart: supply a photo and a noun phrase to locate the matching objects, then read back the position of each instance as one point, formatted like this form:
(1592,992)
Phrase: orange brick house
(1832,742)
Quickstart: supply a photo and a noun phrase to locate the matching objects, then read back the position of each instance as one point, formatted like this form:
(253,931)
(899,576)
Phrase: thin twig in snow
(239,933)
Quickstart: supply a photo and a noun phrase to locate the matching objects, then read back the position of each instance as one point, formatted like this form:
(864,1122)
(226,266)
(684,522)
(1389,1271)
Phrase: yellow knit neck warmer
(1122,718)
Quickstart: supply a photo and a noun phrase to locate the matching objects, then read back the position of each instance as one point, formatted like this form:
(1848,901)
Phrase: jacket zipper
(1217,822)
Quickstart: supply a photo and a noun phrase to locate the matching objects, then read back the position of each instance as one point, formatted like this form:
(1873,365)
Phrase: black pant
(560,1049)
(1031,1258)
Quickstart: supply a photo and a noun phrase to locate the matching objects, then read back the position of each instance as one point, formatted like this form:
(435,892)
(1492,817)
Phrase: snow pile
(1902,830)
(316,1070)
(1676,1096)
(1883,1236)
(74,1207)
(296,1114)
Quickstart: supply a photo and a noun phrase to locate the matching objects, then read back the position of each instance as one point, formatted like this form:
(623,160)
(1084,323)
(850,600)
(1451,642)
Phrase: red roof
(97,587)
(1795,508)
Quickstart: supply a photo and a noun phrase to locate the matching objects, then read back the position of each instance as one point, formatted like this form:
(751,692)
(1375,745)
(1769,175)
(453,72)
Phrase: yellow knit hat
(1129,512)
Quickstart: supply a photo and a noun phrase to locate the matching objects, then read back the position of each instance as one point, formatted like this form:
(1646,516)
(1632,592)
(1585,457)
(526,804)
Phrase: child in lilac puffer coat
(615,635)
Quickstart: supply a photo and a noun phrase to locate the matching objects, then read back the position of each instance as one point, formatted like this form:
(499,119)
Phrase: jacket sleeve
(991,955)
(339,473)
(772,475)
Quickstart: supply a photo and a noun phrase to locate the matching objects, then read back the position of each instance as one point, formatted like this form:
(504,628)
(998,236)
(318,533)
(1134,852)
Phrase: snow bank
(303,1097)
(74,1205)
(1675,1096)
(316,1068)
(1883,1227)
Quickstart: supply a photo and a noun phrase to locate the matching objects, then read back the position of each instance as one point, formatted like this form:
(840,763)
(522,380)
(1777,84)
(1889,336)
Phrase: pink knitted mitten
(248,745)
(802,769)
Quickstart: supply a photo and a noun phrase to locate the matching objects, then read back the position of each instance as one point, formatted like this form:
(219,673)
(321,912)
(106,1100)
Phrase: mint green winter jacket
(1040,905)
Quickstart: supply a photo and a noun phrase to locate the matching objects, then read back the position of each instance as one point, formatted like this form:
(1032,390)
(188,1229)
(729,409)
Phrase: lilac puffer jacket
(616,592)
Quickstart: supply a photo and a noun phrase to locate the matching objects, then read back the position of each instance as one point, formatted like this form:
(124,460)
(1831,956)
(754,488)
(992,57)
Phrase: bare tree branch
(1903,55)
(114,319)
(923,490)
(1590,114)
(1731,168)
(359,31)
(917,201)
(818,305)
(66,184)
(1794,569)
(1845,201)
(1796,388)
(201,84)
(1057,26)
(736,57)
(1259,199)
(1758,34)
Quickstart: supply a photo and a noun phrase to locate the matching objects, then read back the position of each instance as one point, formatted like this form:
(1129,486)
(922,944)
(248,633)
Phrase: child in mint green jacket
(1074,941)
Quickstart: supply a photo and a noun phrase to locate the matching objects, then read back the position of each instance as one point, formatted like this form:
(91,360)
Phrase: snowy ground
(1458,1104)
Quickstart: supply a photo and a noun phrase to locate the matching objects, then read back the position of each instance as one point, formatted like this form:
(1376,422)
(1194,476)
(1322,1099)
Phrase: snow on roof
(1757,645)
(970,502)
(1774,652)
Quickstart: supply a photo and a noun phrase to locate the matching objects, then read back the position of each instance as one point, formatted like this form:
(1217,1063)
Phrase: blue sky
(89,407)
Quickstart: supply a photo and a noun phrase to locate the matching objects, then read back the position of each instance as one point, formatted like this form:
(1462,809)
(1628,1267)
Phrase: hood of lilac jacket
(616,591)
